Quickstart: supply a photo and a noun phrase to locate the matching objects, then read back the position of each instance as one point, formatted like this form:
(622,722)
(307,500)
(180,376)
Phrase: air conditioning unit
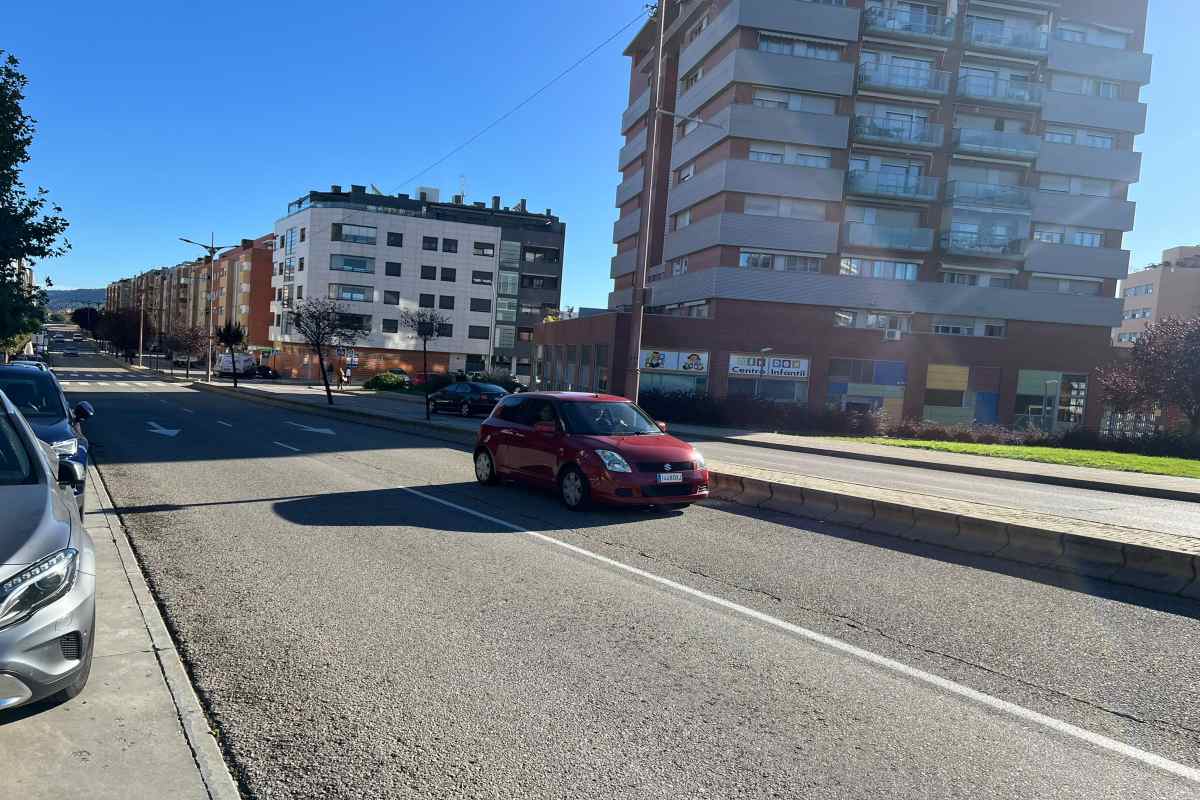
(892,335)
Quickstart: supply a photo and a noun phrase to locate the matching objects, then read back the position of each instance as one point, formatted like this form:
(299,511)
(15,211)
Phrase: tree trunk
(324,376)
(425,366)
(233,367)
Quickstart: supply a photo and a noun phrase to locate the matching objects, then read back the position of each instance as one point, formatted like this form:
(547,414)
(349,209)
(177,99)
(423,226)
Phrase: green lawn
(1100,459)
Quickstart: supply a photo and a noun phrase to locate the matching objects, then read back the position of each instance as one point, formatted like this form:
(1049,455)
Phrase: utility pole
(212,249)
(141,324)
(638,310)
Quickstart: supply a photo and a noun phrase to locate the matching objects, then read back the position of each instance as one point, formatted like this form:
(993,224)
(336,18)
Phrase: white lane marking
(223,422)
(154,427)
(187,411)
(164,402)
(287,447)
(945,684)
(325,431)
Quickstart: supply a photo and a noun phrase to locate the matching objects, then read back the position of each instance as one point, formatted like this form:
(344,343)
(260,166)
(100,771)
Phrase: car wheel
(485,468)
(574,490)
(465,409)
(76,686)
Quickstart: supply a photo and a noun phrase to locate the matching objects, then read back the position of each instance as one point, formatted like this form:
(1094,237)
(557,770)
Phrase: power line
(531,97)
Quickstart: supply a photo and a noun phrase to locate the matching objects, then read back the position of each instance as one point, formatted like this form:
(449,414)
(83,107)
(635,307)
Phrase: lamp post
(212,250)
(766,352)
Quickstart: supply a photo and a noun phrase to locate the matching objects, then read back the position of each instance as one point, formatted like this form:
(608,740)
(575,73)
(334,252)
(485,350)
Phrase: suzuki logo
(666,467)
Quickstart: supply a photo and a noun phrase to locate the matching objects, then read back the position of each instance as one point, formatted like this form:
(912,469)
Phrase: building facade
(493,272)
(1167,289)
(911,206)
(242,291)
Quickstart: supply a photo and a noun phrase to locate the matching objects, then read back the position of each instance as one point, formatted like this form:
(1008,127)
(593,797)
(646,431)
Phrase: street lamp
(212,250)
(766,351)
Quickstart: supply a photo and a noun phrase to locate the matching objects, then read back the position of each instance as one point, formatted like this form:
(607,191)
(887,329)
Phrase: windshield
(34,395)
(489,388)
(15,466)
(607,419)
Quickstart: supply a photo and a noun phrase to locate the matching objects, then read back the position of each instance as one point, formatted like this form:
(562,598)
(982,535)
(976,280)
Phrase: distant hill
(74,298)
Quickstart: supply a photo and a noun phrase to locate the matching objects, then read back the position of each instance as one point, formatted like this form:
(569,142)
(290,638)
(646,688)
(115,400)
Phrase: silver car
(47,570)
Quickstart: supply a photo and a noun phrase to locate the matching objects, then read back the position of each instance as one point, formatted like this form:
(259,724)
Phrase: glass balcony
(917,240)
(968,193)
(888,130)
(987,35)
(983,245)
(904,24)
(910,80)
(886,184)
(1011,93)
(1005,144)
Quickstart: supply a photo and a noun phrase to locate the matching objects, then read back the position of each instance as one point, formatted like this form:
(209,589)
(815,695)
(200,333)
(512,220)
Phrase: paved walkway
(137,730)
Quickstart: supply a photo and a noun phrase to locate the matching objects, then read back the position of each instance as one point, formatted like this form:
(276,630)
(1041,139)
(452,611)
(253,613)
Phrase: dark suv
(37,394)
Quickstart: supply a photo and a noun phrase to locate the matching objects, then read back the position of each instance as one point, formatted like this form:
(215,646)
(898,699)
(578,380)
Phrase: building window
(300,264)
(506,309)
(291,241)
(339,263)
(446,302)
(360,321)
(798,47)
(299,292)
(479,332)
(426,301)
(960,278)
(540,255)
(508,283)
(679,266)
(524,334)
(391,269)
(1047,235)
(954,327)
(539,282)
(429,243)
(445,330)
(303,233)
(352,294)
(683,219)
(1087,238)
(770,154)
(885,270)
(691,79)
(449,274)
(428,273)
(1059,135)
(687,173)
(395,239)
(449,245)
(751,260)
(995,329)
(506,336)
(1064,285)
(770,206)
(355,234)
(481,305)
(391,298)
(1101,141)
(945,398)
(484,249)
(391,326)
(481,278)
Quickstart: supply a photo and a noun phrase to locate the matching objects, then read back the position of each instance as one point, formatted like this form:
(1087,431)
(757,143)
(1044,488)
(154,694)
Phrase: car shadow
(20,713)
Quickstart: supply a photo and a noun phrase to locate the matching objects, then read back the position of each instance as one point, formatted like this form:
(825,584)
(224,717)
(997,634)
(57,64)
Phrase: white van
(244,363)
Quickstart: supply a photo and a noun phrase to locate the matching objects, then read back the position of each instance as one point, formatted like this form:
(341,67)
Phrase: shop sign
(756,365)
(694,362)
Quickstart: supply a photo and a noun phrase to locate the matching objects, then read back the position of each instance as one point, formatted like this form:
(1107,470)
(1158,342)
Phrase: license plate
(670,477)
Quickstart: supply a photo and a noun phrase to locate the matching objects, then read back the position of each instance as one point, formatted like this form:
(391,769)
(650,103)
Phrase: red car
(592,448)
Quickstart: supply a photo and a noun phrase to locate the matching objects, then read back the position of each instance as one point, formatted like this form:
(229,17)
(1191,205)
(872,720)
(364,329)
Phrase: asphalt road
(361,619)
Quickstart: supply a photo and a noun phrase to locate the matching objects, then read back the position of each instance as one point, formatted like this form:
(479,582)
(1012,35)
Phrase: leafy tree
(122,329)
(171,343)
(231,335)
(86,317)
(425,324)
(192,342)
(323,325)
(27,232)
(1164,369)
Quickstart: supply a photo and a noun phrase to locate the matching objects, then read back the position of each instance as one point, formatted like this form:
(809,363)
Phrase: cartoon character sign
(693,363)
(654,360)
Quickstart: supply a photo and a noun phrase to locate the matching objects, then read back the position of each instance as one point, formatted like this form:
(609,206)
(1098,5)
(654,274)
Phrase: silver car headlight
(67,447)
(698,459)
(37,586)
(613,462)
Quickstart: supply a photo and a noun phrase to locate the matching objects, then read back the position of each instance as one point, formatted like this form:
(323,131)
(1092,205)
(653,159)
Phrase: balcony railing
(1019,93)
(910,24)
(887,130)
(982,245)
(989,35)
(914,80)
(968,193)
(997,143)
(885,184)
(860,234)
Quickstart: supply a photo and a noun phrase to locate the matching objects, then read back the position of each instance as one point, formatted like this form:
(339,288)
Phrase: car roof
(578,397)
(23,367)
(21,362)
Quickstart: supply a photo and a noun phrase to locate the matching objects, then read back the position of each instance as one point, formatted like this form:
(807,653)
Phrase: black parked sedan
(263,371)
(466,399)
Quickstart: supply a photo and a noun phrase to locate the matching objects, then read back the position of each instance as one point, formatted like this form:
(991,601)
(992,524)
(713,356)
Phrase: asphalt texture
(351,638)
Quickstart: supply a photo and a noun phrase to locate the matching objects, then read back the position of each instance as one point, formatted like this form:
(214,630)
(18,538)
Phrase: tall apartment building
(242,291)
(916,206)
(493,272)
(1167,289)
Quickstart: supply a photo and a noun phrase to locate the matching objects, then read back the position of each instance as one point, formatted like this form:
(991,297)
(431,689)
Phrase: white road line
(187,411)
(1003,706)
(286,446)
(223,422)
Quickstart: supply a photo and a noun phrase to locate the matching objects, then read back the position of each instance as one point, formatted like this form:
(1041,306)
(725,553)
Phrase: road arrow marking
(154,427)
(325,431)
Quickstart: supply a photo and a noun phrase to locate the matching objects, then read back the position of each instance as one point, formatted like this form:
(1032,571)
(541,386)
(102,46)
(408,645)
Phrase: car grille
(661,466)
(669,490)
(72,646)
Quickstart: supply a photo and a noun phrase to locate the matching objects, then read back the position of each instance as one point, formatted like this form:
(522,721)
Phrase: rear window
(34,394)
(15,464)
(602,418)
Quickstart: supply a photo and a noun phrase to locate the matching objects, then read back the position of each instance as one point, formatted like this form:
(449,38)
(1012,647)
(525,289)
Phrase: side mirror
(662,426)
(545,427)
(70,472)
(83,410)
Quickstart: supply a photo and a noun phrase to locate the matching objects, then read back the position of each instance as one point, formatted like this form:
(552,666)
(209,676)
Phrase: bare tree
(425,324)
(192,342)
(323,325)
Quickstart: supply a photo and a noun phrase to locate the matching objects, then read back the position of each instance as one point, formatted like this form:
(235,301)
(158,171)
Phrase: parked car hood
(51,430)
(643,448)
(34,526)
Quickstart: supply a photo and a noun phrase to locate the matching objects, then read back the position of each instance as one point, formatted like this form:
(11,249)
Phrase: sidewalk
(137,730)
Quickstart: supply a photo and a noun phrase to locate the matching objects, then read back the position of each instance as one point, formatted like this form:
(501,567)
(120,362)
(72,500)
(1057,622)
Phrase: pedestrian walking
(340,378)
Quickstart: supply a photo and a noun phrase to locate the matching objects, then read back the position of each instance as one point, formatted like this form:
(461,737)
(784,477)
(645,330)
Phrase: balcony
(910,25)
(1060,208)
(907,80)
(758,177)
(885,184)
(982,245)
(768,69)
(637,109)
(1067,259)
(994,90)
(901,132)
(988,195)
(1109,63)
(998,144)
(766,123)
(627,226)
(1090,162)
(749,230)
(982,35)
(883,237)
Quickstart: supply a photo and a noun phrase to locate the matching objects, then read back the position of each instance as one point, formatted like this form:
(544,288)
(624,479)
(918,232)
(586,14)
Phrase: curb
(1159,493)
(210,763)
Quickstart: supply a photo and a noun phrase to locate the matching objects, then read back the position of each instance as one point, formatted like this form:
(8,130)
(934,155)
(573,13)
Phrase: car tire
(574,490)
(464,410)
(485,468)
(73,690)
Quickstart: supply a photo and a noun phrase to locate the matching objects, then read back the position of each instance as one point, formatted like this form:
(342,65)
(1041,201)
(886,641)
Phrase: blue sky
(157,121)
